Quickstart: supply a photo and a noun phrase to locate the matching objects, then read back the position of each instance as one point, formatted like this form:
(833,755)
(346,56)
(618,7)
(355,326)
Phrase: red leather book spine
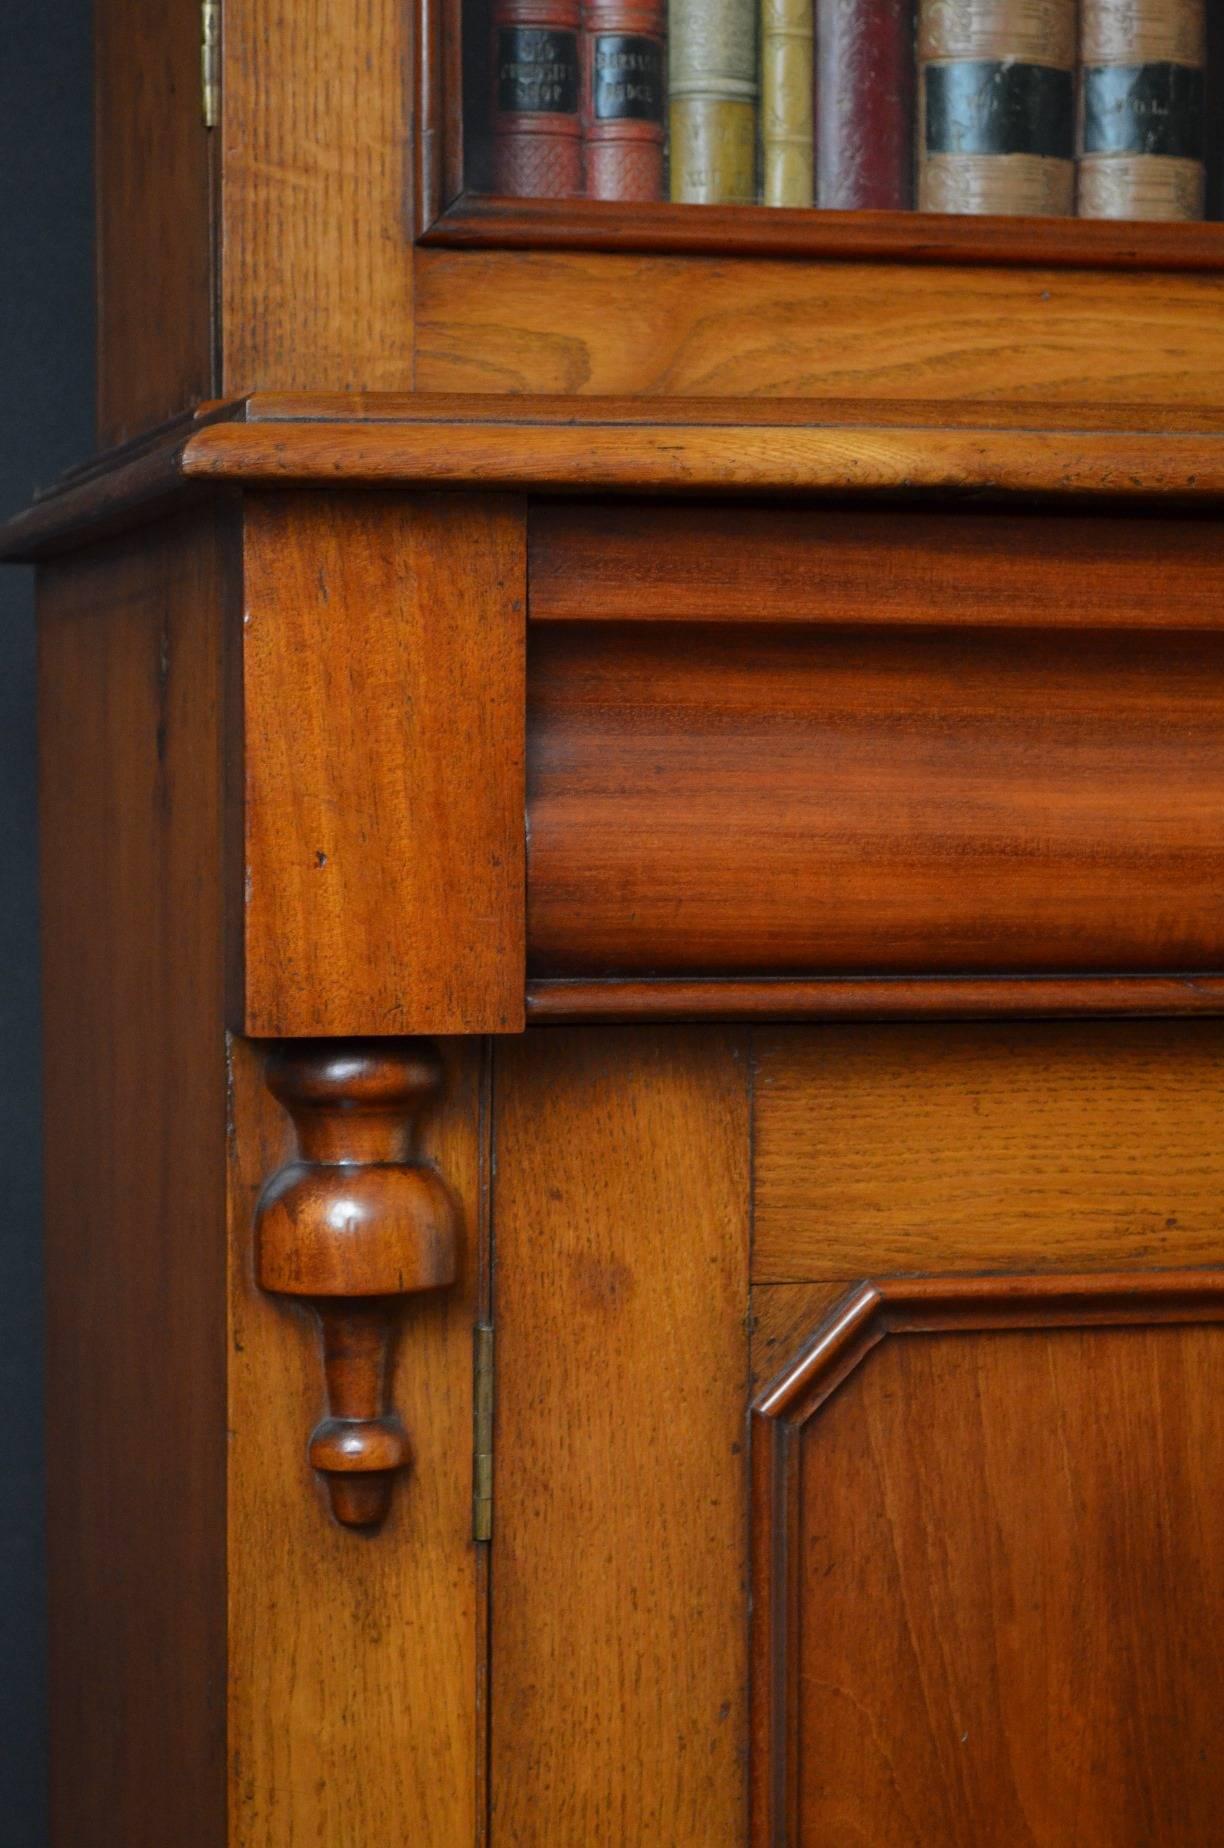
(537,126)
(864,105)
(624,93)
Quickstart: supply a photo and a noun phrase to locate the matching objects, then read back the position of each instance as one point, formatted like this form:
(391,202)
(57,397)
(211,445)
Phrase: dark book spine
(537,128)
(1213,116)
(624,98)
(864,104)
(1142,116)
(996,106)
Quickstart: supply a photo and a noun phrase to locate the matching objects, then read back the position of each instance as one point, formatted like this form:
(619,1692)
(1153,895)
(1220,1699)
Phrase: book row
(1100,108)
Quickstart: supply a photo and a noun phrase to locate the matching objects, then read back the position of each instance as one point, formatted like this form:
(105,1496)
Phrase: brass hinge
(482,1433)
(210,61)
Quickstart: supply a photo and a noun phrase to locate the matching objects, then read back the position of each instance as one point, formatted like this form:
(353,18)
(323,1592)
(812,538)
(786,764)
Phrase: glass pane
(1101,108)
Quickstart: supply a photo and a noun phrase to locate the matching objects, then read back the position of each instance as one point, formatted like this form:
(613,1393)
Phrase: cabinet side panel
(135,1188)
(154,261)
(353,1664)
(620,1298)
(316,257)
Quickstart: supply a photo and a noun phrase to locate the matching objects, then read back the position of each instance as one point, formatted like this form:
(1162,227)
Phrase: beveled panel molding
(350,1226)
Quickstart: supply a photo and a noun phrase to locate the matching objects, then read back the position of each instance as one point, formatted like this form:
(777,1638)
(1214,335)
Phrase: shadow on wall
(46,424)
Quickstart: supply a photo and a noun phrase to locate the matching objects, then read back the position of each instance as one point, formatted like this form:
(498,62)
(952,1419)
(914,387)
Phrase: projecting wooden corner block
(378,785)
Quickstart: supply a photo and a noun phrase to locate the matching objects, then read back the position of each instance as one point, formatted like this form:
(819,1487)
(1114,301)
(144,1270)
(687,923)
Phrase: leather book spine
(713,101)
(996,106)
(537,127)
(624,82)
(786,102)
(864,104)
(1142,115)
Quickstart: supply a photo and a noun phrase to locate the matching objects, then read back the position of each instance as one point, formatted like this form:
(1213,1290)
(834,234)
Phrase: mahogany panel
(353,1660)
(987,1147)
(315,210)
(590,323)
(477,220)
(633,561)
(758,799)
(621,1288)
(153,167)
(131,807)
(988,1567)
(383,788)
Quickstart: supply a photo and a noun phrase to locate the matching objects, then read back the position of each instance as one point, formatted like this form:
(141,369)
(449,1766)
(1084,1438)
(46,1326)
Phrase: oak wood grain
(131,677)
(352,1690)
(383,795)
(987,1147)
(777,799)
(594,323)
(618,1666)
(1003,1581)
(315,209)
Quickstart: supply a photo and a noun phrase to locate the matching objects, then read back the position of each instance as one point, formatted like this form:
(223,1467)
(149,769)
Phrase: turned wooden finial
(353,1223)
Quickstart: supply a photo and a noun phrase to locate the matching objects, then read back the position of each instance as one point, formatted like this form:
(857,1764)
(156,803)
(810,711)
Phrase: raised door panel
(961,1583)
(989,1564)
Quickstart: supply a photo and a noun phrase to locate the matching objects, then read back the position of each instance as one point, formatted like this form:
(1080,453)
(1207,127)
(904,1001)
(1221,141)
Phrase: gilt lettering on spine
(537,129)
(624,95)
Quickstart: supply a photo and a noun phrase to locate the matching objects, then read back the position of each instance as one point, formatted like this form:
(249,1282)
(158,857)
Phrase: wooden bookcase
(634,953)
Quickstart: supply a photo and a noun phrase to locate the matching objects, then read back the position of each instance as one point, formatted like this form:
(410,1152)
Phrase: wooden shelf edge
(614,446)
(476,221)
(871,998)
(681,455)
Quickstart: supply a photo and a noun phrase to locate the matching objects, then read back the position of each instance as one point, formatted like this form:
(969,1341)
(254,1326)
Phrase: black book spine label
(537,71)
(627,78)
(995,107)
(1152,109)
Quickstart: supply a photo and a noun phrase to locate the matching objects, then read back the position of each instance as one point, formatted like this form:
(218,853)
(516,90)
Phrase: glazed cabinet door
(859,1411)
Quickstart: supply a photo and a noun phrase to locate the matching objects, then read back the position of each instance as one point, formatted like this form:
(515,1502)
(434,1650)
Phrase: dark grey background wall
(46,424)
